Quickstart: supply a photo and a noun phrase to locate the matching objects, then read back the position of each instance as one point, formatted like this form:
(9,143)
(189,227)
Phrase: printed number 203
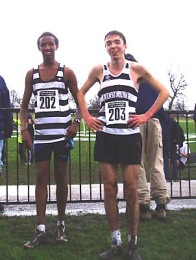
(117,113)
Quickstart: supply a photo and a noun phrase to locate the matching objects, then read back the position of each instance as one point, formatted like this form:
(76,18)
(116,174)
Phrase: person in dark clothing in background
(194,116)
(173,138)
(152,156)
(6,120)
(30,127)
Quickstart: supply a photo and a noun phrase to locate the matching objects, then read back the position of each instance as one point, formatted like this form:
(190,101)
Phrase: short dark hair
(115,32)
(48,34)
(130,57)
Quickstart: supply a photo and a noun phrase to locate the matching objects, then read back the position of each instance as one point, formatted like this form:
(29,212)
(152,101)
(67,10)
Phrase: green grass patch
(89,235)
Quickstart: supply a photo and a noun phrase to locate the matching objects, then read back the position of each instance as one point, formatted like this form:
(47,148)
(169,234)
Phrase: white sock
(41,227)
(135,238)
(116,235)
(60,223)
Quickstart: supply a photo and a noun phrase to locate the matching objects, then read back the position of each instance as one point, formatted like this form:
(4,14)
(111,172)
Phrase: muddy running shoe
(111,252)
(61,236)
(38,239)
(160,213)
(132,253)
(145,213)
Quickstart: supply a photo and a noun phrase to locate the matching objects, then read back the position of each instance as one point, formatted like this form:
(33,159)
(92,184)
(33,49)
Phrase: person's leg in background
(142,184)
(3,157)
(154,158)
(1,163)
(166,163)
(1,154)
(22,152)
(174,165)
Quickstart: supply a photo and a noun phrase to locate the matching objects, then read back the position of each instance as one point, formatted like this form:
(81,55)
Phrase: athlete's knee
(110,188)
(131,191)
(42,177)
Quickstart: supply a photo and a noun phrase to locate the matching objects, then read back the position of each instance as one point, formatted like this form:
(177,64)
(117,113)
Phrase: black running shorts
(121,149)
(43,152)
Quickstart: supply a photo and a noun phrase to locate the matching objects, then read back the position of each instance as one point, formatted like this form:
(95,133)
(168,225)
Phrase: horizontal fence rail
(17,181)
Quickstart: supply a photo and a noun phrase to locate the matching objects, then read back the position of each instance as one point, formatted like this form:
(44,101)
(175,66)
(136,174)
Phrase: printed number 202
(47,102)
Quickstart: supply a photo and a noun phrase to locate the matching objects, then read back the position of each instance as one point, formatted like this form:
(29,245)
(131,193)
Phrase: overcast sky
(160,34)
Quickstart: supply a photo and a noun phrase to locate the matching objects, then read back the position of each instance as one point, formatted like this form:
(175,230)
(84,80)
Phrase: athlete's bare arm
(141,73)
(71,81)
(94,76)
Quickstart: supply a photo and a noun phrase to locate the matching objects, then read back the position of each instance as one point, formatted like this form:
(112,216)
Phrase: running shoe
(160,213)
(38,239)
(132,253)
(145,213)
(61,235)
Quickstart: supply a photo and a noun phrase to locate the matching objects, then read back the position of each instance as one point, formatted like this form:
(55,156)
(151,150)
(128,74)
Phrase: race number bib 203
(116,112)
(47,100)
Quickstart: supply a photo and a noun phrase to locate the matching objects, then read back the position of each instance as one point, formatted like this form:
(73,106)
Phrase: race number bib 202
(47,100)
(116,112)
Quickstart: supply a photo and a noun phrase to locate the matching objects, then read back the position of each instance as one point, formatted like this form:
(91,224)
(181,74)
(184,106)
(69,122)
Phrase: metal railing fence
(17,181)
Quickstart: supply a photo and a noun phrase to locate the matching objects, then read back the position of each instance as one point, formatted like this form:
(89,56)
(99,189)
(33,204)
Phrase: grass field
(89,235)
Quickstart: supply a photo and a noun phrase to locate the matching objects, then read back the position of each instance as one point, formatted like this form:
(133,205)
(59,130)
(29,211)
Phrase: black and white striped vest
(118,96)
(52,111)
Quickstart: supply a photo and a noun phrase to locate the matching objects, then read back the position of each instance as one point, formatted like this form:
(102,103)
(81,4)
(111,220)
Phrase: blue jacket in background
(146,98)
(6,117)
(171,134)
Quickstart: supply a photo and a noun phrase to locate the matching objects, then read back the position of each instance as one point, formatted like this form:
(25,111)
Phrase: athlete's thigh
(130,174)
(108,172)
(61,152)
(42,152)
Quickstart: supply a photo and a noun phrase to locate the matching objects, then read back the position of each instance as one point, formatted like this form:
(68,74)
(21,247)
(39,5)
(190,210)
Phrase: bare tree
(15,99)
(94,103)
(179,104)
(32,102)
(177,85)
